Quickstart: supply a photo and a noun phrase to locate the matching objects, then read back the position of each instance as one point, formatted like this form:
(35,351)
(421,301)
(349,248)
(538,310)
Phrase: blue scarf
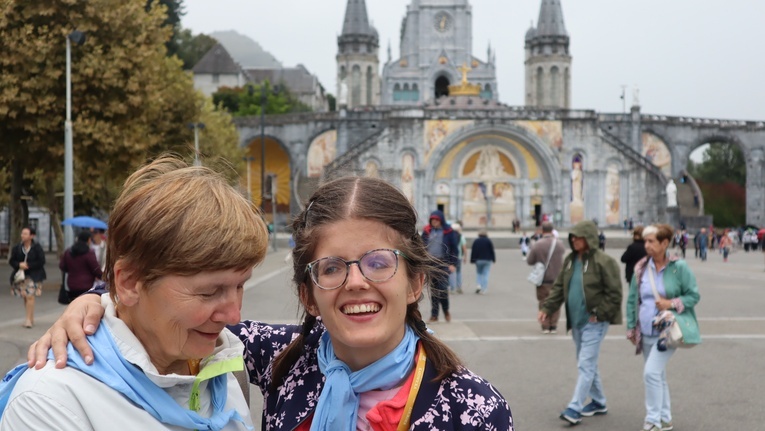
(339,400)
(111,368)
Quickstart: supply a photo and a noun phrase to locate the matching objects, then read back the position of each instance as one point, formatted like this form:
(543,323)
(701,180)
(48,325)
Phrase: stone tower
(548,60)
(436,40)
(358,76)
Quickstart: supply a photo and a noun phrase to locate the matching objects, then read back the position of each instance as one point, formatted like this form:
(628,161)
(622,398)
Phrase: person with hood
(80,265)
(442,243)
(591,291)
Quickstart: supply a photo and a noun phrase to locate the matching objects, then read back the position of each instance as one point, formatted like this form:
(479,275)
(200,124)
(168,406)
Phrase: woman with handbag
(28,262)
(661,283)
(81,266)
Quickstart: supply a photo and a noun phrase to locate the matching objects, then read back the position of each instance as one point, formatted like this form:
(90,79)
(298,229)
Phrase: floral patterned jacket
(463,401)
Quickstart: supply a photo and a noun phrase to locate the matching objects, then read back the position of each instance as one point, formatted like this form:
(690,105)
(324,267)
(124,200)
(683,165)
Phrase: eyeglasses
(329,273)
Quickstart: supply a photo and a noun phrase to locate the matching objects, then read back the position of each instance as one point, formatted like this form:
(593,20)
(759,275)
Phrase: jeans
(439,294)
(455,278)
(657,403)
(703,253)
(587,341)
(482,268)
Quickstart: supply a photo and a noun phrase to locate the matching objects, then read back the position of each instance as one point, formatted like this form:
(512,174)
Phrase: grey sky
(700,58)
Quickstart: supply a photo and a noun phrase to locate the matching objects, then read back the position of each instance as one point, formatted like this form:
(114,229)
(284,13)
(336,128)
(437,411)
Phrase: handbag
(537,274)
(20,276)
(674,332)
(63,291)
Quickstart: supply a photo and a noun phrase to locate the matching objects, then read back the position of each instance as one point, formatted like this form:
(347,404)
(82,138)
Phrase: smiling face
(365,320)
(180,317)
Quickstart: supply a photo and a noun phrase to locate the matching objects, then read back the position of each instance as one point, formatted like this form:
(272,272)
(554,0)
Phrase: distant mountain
(248,53)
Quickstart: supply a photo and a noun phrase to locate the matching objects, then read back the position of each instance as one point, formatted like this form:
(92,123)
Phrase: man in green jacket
(590,288)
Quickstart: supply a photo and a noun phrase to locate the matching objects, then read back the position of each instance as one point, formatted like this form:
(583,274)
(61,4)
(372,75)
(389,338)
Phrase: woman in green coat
(676,286)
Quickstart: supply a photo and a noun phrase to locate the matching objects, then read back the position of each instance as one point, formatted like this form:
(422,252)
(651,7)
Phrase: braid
(286,359)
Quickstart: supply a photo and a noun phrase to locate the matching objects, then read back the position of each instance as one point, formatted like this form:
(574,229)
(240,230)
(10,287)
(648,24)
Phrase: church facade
(431,124)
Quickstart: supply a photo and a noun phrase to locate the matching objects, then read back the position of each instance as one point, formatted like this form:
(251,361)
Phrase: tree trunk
(19,210)
(55,217)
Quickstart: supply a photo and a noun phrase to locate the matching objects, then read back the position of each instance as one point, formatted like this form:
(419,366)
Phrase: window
(215,78)
(370,85)
(540,87)
(555,99)
(356,86)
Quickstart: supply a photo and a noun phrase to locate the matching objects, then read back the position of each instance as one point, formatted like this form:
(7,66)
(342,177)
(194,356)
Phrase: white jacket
(70,400)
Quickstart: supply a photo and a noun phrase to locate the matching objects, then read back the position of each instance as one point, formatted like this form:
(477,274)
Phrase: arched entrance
(717,170)
(442,86)
(277,173)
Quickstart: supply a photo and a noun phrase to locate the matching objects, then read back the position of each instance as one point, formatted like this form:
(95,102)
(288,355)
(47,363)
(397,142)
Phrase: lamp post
(196,127)
(78,38)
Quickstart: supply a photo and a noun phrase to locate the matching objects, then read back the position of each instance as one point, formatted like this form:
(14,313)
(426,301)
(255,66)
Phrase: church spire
(550,21)
(356,20)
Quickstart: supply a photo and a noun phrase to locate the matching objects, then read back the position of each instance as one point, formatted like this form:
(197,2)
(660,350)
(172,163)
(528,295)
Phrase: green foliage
(190,48)
(130,101)
(332,101)
(721,162)
(726,202)
(173,11)
(246,101)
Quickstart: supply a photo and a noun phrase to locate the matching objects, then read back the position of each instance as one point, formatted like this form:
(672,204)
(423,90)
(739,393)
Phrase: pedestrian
(725,244)
(634,253)
(683,241)
(98,245)
(703,243)
(79,266)
(589,285)
(482,255)
(362,358)
(602,241)
(455,278)
(696,241)
(676,285)
(548,250)
(28,263)
(525,243)
(442,243)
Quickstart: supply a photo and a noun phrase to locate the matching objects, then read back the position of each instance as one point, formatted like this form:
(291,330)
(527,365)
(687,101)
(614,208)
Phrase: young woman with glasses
(363,359)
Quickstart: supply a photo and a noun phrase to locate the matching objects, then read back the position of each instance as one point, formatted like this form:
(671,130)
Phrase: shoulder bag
(675,333)
(20,276)
(537,274)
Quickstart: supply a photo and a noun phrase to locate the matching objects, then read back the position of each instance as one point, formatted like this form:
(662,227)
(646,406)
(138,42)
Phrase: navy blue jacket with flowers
(463,401)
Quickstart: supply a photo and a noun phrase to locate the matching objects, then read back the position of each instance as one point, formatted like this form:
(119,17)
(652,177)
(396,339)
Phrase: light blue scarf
(111,368)
(339,400)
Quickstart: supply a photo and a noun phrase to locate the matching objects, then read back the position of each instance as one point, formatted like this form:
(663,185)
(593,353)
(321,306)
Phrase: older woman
(677,290)
(185,243)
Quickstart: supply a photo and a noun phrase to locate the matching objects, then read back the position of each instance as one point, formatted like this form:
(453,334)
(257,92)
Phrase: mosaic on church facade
(613,192)
(655,150)
(321,152)
(436,131)
(550,132)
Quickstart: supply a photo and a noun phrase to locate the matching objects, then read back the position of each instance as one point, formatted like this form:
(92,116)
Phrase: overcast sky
(702,58)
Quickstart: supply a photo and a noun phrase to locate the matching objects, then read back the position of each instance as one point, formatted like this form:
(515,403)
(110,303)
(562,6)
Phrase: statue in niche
(671,194)
(489,164)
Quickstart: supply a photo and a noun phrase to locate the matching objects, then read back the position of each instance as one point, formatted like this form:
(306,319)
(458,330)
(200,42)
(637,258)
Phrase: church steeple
(550,21)
(356,20)
(548,60)
(358,78)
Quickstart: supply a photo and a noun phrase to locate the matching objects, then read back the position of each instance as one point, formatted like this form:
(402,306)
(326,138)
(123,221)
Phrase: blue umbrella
(85,221)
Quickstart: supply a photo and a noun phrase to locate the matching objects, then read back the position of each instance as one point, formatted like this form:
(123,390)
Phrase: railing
(633,155)
(353,152)
(704,122)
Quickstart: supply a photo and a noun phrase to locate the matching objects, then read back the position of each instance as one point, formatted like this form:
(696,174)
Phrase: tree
(190,48)
(332,102)
(130,100)
(721,162)
(245,101)
(173,10)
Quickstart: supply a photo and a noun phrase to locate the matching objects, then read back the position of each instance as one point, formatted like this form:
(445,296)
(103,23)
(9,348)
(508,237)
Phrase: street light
(78,38)
(196,127)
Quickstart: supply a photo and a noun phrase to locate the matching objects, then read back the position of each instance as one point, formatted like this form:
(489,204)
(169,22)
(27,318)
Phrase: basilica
(430,123)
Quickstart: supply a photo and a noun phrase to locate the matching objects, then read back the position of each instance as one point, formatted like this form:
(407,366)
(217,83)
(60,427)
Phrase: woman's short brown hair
(172,218)
(663,232)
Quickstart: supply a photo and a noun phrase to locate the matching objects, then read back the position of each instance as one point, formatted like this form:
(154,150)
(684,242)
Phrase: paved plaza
(718,385)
